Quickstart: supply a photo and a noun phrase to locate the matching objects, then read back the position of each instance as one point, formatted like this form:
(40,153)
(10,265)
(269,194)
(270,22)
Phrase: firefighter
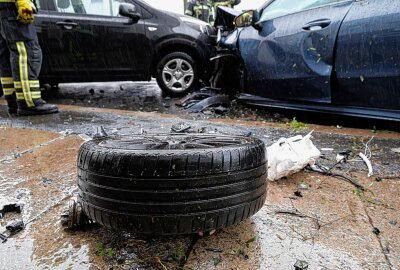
(225,3)
(200,9)
(21,59)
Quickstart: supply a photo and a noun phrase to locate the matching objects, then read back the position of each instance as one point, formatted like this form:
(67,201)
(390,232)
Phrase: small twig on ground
(297,213)
(160,262)
(214,250)
(337,163)
(367,151)
(388,177)
(13,156)
(48,208)
(320,170)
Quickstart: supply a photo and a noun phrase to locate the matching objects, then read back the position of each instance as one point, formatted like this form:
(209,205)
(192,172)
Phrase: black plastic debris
(16,226)
(47,181)
(298,193)
(221,109)
(248,134)
(99,132)
(209,102)
(194,98)
(376,231)
(3,238)
(301,265)
(8,208)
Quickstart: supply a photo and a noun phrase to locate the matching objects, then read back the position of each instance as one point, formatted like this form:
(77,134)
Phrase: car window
(280,8)
(92,7)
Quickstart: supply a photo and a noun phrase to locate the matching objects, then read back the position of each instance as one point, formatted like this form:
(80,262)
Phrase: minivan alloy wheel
(178,75)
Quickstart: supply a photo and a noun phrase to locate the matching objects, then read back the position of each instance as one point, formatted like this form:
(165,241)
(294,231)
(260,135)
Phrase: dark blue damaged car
(330,56)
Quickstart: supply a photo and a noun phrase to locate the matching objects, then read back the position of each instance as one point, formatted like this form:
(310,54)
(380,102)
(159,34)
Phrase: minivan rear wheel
(177,74)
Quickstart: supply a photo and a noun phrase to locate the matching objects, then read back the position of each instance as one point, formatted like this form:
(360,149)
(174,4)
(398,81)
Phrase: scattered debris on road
(15,226)
(180,127)
(7,207)
(301,265)
(368,163)
(205,98)
(288,156)
(3,238)
(99,132)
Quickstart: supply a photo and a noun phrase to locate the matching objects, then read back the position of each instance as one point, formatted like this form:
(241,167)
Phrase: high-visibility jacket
(225,3)
(201,10)
(20,56)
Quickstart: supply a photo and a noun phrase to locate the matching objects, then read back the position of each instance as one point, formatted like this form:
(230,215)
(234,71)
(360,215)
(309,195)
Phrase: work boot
(12,103)
(41,107)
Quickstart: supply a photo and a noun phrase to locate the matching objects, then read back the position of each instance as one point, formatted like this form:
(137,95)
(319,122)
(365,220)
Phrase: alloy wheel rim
(178,75)
(172,142)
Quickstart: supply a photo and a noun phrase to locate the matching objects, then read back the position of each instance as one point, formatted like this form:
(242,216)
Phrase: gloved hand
(25,11)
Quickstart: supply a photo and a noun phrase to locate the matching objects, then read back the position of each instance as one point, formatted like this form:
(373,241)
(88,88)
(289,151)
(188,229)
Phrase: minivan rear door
(290,53)
(89,41)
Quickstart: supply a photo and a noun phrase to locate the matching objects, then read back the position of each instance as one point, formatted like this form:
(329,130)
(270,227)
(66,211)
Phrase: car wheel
(171,184)
(177,74)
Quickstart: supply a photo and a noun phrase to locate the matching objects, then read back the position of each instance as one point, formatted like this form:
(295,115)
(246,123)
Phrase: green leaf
(216,260)
(251,240)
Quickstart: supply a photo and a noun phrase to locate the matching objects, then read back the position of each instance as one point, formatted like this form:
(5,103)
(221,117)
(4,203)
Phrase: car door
(43,24)
(289,53)
(368,56)
(88,41)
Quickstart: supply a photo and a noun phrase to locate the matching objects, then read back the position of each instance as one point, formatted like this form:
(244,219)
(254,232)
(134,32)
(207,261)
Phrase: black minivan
(119,40)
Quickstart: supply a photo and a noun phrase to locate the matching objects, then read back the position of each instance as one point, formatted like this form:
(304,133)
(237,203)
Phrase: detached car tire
(177,74)
(171,184)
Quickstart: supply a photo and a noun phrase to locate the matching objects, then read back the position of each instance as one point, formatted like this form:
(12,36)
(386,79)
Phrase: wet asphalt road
(138,96)
(333,229)
(147,97)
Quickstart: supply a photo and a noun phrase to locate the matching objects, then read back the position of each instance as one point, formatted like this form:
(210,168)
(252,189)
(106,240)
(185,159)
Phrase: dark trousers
(20,56)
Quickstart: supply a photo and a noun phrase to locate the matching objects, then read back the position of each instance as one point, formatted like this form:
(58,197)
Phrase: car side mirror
(63,4)
(247,18)
(129,10)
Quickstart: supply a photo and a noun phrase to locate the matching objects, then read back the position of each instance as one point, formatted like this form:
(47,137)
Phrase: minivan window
(91,7)
(280,8)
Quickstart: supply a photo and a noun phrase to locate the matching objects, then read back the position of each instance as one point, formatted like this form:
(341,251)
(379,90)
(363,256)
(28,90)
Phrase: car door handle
(67,25)
(317,25)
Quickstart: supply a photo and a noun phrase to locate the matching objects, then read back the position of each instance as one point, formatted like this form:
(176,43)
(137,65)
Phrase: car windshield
(280,8)
(145,2)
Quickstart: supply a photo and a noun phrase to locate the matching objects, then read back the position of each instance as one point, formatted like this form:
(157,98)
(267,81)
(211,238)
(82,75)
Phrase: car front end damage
(229,71)
(239,72)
